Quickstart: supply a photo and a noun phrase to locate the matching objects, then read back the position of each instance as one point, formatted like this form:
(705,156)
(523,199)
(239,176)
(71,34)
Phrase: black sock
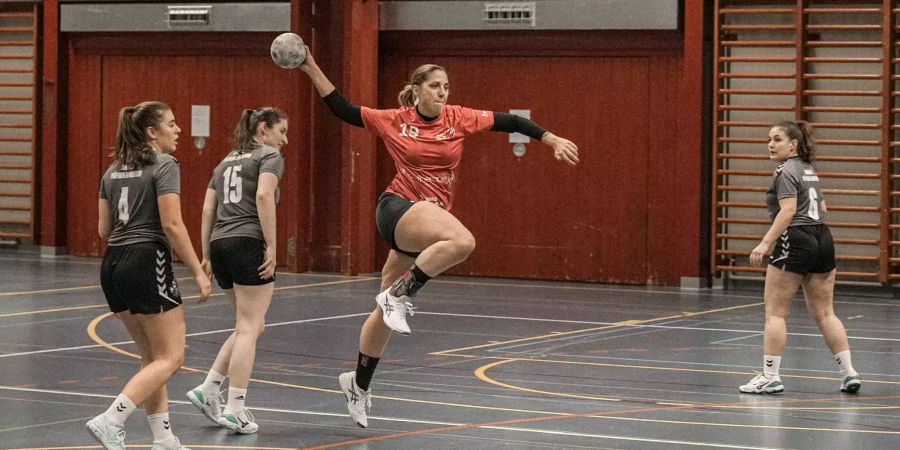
(365,368)
(410,282)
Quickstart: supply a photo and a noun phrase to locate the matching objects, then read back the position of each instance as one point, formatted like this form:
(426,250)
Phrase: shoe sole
(762,391)
(383,319)
(233,427)
(347,399)
(851,388)
(95,433)
(201,406)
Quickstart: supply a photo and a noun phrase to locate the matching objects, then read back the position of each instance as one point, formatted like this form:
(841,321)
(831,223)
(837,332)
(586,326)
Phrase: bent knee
(464,243)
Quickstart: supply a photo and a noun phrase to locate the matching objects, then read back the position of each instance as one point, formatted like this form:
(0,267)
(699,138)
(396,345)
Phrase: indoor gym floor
(491,363)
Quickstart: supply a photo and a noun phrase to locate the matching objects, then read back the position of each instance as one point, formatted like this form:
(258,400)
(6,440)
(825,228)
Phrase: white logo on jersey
(446,134)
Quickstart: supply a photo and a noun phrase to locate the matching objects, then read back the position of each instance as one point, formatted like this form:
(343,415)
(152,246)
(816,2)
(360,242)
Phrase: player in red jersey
(425,139)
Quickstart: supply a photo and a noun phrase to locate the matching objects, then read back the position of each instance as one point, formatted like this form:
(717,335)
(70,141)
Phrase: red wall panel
(228,84)
(629,213)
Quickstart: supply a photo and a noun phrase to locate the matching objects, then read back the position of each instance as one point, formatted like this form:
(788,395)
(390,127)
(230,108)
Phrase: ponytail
(245,132)
(406,96)
(132,148)
(802,132)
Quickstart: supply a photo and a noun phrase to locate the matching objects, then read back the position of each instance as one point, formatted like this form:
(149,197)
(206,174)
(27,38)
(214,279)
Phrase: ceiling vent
(509,13)
(189,15)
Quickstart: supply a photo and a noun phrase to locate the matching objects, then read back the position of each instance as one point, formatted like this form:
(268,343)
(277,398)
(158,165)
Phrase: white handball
(288,51)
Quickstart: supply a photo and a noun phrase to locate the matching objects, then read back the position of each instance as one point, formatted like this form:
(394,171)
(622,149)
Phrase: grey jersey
(797,178)
(132,195)
(235,180)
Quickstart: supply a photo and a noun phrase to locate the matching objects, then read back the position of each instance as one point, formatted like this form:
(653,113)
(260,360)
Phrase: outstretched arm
(336,102)
(563,149)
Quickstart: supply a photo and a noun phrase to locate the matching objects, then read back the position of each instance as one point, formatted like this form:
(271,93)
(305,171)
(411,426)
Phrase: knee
(172,362)
(250,330)
(464,244)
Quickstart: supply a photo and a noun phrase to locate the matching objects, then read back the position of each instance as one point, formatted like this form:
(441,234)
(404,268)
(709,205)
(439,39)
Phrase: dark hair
(132,148)
(801,131)
(406,96)
(249,124)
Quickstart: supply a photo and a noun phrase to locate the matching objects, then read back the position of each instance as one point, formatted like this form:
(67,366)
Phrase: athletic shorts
(236,261)
(804,249)
(139,278)
(391,207)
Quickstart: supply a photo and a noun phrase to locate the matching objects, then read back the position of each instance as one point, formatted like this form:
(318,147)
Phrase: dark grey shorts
(391,207)
(236,260)
(804,249)
(139,278)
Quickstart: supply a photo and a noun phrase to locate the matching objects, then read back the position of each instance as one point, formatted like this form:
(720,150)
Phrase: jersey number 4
(123,205)
(232,185)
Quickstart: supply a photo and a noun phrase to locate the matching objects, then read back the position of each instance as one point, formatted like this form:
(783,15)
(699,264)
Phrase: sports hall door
(101,81)
(533,216)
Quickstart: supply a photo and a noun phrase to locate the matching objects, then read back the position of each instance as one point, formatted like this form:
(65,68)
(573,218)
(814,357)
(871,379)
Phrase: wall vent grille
(511,13)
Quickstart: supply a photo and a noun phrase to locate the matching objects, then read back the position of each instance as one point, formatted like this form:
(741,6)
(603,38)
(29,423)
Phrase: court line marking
(614,325)
(189,297)
(599,414)
(673,369)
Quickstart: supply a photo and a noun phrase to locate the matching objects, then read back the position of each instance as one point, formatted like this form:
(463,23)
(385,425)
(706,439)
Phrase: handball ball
(288,51)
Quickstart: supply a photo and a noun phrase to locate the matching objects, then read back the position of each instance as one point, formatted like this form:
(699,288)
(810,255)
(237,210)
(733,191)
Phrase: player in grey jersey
(238,240)
(803,256)
(139,215)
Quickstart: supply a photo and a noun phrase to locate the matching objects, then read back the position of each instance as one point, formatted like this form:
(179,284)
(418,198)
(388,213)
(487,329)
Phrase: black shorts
(391,207)
(139,278)
(804,249)
(236,261)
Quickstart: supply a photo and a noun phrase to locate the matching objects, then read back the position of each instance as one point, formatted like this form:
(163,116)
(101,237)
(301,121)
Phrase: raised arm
(563,149)
(336,102)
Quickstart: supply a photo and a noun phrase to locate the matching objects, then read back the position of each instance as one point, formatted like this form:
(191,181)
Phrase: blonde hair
(406,96)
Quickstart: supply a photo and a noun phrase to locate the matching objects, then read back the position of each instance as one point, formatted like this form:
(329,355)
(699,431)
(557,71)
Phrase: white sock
(213,382)
(120,410)
(844,363)
(159,426)
(236,399)
(771,365)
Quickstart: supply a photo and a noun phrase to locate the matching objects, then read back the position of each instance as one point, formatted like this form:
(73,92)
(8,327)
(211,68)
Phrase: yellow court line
(737,425)
(481,374)
(92,332)
(586,330)
(507,359)
(219,294)
(45,311)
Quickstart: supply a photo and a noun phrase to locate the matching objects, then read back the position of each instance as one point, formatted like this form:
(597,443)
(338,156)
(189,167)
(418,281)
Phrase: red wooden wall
(630,212)
(632,101)
(107,73)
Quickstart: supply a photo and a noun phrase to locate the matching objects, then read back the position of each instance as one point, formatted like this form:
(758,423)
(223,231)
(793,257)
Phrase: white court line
(204,333)
(419,421)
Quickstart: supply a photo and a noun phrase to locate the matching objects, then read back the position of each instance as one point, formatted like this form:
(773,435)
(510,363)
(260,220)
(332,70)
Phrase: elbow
(265,197)
(171,226)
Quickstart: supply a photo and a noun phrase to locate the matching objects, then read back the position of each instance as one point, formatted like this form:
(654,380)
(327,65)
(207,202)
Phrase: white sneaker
(760,384)
(110,435)
(394,311)
(851,384)
(209,404)
(171,443)
(358,401)
(241,422)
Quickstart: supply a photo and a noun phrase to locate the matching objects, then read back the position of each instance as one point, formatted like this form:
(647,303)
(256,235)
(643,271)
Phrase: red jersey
(426,154)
